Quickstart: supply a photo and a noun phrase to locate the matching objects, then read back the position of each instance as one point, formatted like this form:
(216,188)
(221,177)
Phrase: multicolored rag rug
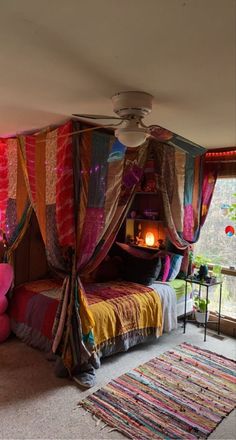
(182,394)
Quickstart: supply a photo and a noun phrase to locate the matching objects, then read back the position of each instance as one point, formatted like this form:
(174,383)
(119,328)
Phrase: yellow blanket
(121,308)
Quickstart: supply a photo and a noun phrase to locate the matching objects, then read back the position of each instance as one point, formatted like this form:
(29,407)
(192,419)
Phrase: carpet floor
(34,404)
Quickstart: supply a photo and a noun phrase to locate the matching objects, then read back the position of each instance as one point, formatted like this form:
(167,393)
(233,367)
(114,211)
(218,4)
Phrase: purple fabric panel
(93,226)
(54,253)
(11,217)
(188,233)
(166,267)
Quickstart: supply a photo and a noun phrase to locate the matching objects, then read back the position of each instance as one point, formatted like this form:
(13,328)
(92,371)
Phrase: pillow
(109,269)
(135,252)
(175,264)
(139,266)
(165,268)
(171,264)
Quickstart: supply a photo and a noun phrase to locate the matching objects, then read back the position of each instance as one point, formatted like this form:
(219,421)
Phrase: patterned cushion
(175,264)
(166,267)
(171,264)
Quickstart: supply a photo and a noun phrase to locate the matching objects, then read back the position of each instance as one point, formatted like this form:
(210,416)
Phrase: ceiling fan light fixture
(131,137)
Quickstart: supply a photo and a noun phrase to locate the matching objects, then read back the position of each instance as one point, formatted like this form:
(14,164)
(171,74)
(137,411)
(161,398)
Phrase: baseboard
(227,325)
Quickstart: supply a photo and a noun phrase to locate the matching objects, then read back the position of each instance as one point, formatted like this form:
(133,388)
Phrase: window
(218,247)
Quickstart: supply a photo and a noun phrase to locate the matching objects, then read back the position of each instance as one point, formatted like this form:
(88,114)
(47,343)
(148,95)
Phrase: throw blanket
(122,307)
(124,313)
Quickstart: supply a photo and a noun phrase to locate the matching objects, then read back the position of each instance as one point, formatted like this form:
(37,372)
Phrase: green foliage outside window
(232,210)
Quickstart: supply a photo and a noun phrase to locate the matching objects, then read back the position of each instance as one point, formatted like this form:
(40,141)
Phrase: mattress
(32,311)
(125,313)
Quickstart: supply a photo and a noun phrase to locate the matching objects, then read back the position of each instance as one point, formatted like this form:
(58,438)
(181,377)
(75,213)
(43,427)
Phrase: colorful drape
(80,198)
(48,166)
(186,185)
(48,160)
(80,188)
(103,190)
(15,208)
(106,190)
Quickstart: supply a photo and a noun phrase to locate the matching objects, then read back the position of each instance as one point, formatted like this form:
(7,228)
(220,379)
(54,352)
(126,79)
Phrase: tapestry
(182,394)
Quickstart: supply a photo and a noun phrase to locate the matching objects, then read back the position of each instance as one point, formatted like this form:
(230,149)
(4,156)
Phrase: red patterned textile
(4,182)
(119,308)
(30,144)
(64,188)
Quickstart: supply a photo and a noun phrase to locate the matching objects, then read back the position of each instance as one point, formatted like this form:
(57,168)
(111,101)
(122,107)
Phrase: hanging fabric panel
(49,176)
(14,205)
(106,190)
(210,177)
(103,190)
(186,185)
(180,180)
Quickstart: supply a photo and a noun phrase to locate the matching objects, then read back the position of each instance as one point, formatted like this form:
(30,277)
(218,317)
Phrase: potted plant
(200,262)
(200,308)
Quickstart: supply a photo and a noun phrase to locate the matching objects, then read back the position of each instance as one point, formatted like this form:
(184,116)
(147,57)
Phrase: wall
(30,258)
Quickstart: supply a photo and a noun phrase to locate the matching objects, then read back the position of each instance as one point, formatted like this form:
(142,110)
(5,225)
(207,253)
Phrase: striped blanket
(124,313)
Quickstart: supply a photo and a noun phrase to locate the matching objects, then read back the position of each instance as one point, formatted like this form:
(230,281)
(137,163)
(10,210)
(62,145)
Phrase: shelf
(153,248)
(153,193)
(149,205)
(202,283)
(145,220)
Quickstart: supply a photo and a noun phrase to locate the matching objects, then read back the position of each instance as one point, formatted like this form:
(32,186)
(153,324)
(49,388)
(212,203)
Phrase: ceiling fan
(131,108)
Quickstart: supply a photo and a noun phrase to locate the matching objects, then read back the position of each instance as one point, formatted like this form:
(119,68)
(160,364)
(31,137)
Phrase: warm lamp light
(149,239)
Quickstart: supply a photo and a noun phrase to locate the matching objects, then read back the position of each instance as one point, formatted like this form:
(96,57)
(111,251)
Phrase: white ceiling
(60,57)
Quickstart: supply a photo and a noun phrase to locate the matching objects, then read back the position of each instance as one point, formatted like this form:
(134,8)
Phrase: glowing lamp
(149,239)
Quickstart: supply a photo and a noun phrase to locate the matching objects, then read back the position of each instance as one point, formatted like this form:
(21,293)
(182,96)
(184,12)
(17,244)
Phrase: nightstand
(200,285)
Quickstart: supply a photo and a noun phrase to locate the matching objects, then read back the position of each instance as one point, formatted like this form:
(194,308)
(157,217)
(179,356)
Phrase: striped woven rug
(182,394)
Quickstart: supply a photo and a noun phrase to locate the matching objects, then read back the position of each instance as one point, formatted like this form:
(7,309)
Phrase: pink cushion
(3,304)
(166,267)
(6,278)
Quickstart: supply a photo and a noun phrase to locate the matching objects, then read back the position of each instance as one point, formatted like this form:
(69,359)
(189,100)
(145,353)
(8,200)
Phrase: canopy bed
(80,195)
(126,313)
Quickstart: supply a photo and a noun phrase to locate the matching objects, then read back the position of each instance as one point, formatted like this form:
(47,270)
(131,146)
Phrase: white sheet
(169,304)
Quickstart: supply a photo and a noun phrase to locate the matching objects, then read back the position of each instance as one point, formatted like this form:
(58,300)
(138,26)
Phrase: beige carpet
(34,404)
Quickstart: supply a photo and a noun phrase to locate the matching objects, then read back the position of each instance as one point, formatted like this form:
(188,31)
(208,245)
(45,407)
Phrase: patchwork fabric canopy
(81,192)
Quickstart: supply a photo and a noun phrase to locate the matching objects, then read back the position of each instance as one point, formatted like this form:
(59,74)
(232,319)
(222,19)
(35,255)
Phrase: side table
(207,285)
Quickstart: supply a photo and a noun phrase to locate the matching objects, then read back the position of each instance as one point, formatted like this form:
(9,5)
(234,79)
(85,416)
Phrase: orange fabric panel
(195,201)
(21,189)
(40,179)
(85,155)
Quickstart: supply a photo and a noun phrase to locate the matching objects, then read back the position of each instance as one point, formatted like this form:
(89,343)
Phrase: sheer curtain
(186,184)
(15,208)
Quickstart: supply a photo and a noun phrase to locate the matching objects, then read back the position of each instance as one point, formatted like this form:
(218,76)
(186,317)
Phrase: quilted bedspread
(121,307)
(121,310)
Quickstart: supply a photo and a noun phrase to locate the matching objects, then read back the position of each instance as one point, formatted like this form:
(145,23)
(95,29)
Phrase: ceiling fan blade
(84,130)
(175,140)
(95,116)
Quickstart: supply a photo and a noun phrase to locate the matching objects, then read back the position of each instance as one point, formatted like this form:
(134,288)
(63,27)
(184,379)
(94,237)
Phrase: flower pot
(201,317)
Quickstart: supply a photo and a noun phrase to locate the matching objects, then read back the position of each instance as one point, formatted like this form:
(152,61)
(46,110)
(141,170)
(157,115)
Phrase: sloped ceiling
(60,57)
